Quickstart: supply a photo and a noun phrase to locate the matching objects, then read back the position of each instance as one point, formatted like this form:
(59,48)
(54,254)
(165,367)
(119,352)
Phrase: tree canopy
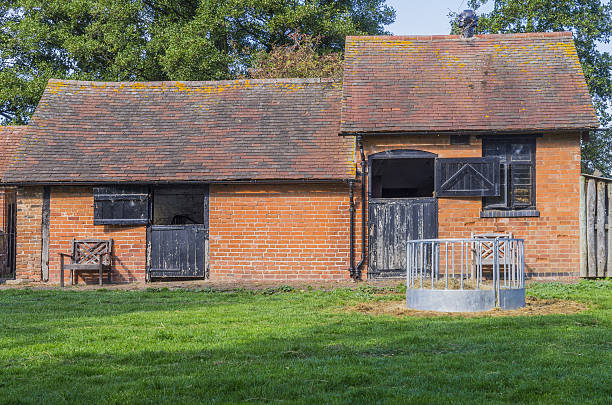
(591,23)
(127,40)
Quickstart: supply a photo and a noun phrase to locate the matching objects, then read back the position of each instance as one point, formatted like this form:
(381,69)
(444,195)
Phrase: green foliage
(300,59)
(278,290)
(599,291)
(591,23)
(293,346)
(127,40)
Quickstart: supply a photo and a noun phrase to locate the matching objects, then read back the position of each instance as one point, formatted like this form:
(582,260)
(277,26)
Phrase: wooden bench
(87,255)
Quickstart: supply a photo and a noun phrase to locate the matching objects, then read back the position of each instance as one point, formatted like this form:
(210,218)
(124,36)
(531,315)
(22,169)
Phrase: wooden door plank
(200,255)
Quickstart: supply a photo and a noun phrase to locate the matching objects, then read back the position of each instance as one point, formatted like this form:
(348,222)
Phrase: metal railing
(474,263)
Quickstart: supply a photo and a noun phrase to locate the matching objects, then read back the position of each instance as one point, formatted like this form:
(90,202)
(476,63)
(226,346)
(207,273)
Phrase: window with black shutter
(467,177)
(516,172)
(121,205)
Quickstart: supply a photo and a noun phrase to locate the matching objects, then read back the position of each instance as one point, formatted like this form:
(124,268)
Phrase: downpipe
(363,209)
(351,230)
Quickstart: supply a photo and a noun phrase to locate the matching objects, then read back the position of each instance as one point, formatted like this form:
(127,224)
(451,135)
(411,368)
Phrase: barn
(311,179)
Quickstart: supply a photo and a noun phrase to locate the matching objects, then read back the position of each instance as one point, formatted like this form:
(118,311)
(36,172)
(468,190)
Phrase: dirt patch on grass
(534,307)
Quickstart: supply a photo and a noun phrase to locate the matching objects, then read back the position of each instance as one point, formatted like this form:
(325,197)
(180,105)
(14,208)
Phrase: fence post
(609,272)
(496,270)
(591,240)
(583,229)
(601,229)
(408,266)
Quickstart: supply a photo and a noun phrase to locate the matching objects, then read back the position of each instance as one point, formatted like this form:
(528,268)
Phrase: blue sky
(424,17)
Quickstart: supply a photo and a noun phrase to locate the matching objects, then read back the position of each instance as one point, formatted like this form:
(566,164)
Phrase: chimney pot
(467,21)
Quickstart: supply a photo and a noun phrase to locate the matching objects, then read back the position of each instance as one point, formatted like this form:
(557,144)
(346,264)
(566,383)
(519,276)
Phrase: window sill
(509,214)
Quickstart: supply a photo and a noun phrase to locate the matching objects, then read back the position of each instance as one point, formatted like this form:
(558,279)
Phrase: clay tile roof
(88,132)
(9,140)
(500,82)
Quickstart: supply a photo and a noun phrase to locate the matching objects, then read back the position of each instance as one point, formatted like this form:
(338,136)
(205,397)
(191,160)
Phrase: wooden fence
(595,226)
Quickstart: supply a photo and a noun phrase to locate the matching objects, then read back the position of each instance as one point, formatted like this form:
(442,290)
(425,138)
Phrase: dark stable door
(392,223)
(177,250)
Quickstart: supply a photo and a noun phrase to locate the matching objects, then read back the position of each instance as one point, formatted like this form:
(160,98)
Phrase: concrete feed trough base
(463,300)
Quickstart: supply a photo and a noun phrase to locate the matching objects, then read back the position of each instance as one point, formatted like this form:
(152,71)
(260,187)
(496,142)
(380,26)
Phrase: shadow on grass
(192,347)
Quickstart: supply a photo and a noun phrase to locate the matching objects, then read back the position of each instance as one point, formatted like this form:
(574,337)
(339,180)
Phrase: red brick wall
(551,240)
(279,232)
(256,232)
(71,216)
(285,232)
(29,224)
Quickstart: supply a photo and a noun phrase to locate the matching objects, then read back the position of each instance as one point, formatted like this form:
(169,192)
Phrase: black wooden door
(7,239)
(392,223)
(178,250)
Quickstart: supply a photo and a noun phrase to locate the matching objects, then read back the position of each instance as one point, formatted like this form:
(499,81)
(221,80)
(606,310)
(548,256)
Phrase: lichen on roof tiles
(499,82)
(10,137)
(186,131)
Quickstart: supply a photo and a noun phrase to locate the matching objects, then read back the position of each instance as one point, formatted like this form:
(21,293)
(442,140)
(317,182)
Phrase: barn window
(517,173)
(467,177)
(121,205)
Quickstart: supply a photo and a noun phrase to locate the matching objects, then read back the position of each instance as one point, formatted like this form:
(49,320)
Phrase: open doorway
(402,207)
(402,178)
(179,206)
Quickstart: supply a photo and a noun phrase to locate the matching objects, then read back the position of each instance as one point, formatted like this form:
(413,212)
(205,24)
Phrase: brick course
(279,232)
(29,231)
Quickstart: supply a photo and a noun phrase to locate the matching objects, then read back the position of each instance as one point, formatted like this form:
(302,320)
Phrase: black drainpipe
(352,230)
(363,209)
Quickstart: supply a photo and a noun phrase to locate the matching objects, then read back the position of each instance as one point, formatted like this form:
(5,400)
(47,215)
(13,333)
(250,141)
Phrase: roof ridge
(201,83)
(509,36)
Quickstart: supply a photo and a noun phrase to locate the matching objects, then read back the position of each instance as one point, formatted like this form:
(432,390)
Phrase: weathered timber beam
(583,229)
(591,241)
(609,272)
(601,229)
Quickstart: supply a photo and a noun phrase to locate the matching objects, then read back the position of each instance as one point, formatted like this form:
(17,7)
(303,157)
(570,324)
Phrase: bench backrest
(88,251)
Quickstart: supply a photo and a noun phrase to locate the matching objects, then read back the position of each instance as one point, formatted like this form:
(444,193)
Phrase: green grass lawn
(296,347)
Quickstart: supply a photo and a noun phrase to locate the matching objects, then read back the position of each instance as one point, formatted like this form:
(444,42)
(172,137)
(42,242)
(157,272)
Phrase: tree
(129,40)
(300,59)
(591,23)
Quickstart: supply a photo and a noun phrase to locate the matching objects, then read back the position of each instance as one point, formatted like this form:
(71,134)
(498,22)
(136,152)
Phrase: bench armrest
(108,258)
